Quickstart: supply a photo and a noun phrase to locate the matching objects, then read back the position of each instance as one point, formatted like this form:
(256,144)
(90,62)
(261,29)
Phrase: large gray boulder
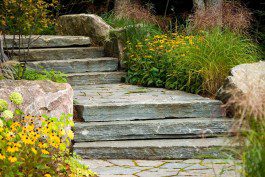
(244,79)
(40,97)
(89,25)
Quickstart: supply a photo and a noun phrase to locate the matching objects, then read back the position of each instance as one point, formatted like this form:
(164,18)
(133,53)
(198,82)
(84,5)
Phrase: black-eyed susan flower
(12,159)
(2,157)
(45,152)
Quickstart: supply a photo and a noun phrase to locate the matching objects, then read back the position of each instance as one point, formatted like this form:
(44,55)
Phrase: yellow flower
(2,157)
(43,145)
(29,128)
(47,175)
(9,136)
(70,134)
(34,150)
(12,149)
(12,159)
(45,151)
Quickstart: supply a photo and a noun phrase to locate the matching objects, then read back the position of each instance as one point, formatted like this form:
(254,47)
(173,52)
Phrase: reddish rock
(40,97)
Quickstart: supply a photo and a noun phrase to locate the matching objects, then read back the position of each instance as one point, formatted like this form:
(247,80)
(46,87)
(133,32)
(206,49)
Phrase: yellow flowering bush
(196,63)
(36,145)
(26,16)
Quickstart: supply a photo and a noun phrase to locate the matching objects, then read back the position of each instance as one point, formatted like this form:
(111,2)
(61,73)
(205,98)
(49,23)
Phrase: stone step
(152,129)
(127,102)
(84,80)
(60,53)
(78,65)
(154,149)
(45,41)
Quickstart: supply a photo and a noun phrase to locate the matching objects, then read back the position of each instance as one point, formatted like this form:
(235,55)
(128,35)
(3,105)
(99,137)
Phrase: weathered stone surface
(153,149)
(44,41)
(84,24)
(61,53)
(118,170)
(40,97)
(128,102)
(96,163)
(244,79)
(152,129)
(152,168)
(149,163)
(92,78)
(173,165)
(78,65)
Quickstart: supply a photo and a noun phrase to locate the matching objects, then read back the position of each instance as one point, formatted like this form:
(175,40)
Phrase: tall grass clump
(231,15)
(193,63)
(249,108)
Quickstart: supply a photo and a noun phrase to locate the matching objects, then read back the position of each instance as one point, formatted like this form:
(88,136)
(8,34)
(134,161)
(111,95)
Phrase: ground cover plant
(16,71)
(36,145)
(194,63)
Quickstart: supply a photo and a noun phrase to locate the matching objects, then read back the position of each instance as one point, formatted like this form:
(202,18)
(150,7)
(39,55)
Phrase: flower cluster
(150,61)
(32,145)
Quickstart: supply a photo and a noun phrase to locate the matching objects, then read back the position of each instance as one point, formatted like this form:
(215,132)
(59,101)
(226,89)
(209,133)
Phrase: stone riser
(60,53)
(85,79)
(114,112)
(45,41)
(78,65)
(153,149)
(152,129)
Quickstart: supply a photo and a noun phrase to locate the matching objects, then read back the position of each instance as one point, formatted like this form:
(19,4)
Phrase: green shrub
(26,17)
(196,64)
(32,74)
(134,31)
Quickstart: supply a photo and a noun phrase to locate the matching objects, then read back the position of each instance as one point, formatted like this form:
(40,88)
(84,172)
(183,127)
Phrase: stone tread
(85,80)
(46,54)
(78,65)
(152,129)
(127,102)
(154,149)
(45,41)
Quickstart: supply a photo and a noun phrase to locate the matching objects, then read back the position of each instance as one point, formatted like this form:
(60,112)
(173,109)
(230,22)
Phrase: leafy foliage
(32,74)
(36,145)
(26,17)
(196,63)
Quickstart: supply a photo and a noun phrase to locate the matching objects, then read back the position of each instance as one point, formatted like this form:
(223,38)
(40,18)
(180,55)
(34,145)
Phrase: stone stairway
(125,121)
(73,55)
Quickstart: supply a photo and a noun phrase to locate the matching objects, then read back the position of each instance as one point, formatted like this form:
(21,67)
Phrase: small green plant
(32,74)
(194,63)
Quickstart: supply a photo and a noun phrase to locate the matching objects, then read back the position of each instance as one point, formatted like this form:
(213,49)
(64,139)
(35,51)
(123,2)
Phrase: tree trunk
(3,57)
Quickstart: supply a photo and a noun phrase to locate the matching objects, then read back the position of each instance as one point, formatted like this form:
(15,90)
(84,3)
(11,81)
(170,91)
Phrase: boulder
(40,97)
(244,79)
(85,25)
